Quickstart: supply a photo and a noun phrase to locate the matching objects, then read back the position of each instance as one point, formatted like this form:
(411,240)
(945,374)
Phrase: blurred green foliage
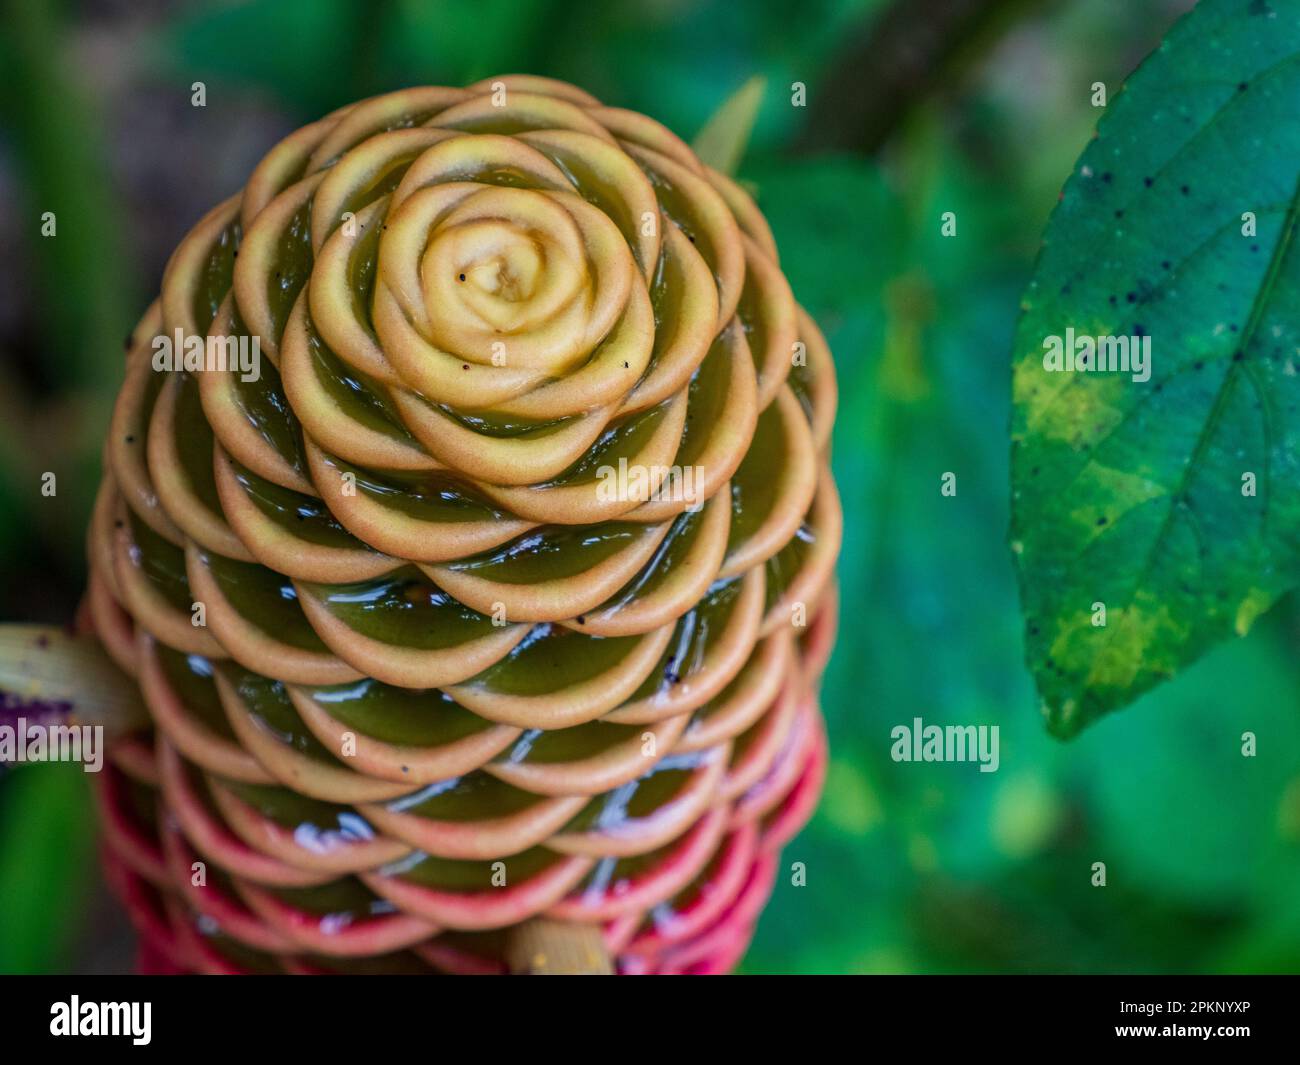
(910,867)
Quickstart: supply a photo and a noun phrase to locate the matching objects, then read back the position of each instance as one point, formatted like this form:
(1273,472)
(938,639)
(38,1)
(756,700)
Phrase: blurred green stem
(896,61)
(78,275)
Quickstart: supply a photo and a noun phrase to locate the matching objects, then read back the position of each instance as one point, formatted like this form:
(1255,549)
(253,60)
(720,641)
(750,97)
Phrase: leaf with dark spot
(1164,458)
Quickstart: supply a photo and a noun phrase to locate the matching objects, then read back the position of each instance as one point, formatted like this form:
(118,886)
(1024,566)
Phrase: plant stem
(557,948)
(896,61)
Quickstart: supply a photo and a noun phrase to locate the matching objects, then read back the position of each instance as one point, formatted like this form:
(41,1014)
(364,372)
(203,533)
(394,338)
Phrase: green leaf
(46,847)
(1134,493)
(722,141)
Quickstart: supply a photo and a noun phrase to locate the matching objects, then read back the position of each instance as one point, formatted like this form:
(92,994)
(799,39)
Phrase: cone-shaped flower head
(468,526)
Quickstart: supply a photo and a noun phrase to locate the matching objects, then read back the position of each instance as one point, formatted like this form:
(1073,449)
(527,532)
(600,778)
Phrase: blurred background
(914,108)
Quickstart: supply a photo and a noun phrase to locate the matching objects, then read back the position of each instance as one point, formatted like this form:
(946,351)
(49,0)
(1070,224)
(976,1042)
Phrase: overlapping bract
(515,562)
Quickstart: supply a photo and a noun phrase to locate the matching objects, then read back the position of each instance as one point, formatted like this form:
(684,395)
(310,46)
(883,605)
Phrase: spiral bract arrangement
(468,525)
